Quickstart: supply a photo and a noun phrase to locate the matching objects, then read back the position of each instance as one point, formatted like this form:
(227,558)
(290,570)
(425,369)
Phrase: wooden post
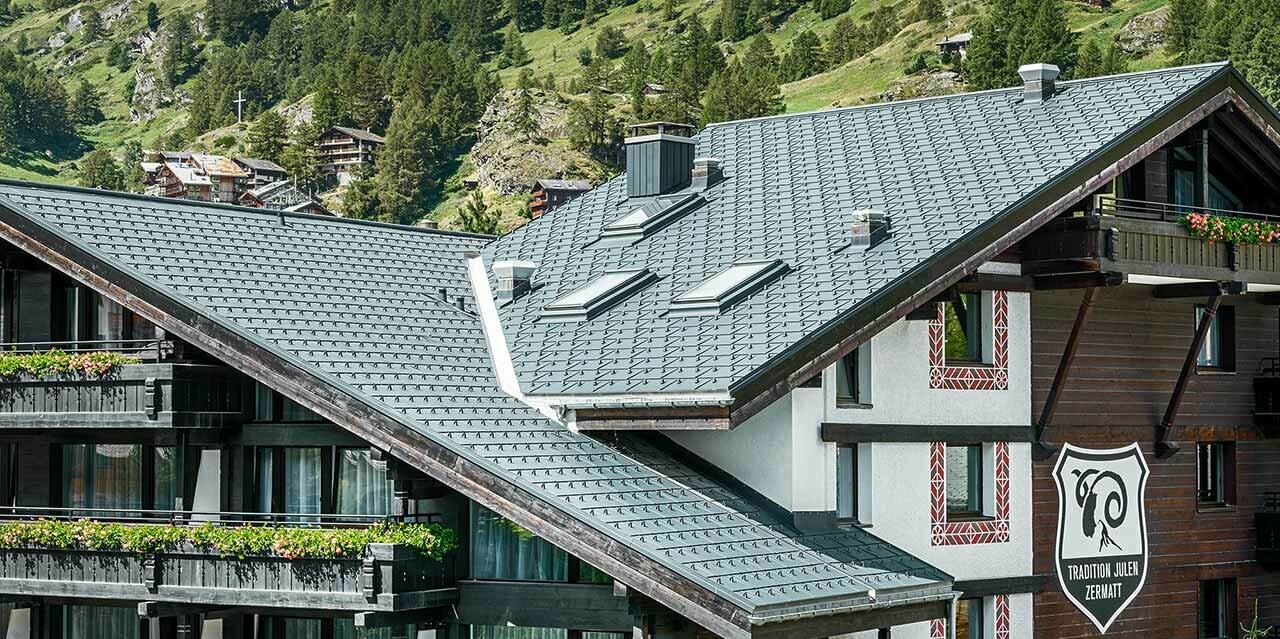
(1164,446)
(885,633)
(1040,450)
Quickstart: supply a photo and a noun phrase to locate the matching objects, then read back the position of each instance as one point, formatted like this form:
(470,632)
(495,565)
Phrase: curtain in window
(107,322)
(292,411)
(302,480)
(167,478)
(99,622)
(107,476)
(266,479)
(263,403)
(346,629)
(363,488)
(289,628)
(964,479)
(502,550)
(513,632)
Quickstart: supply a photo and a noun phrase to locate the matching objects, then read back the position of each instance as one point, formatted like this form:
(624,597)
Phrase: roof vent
(598,295)
(706,173)
(1038,81)
(642,221)
(513,279)
(721,290)
(659,158)
(869,227)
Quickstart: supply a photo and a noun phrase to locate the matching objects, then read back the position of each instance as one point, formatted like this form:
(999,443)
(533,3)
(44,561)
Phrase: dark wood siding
(1132,350)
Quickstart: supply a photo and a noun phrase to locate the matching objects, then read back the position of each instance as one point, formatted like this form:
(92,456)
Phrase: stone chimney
(1038,82)
(659,158)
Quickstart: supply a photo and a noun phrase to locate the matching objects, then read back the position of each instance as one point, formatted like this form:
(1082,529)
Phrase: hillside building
(549,194)
(956,46)
(346,152)
(261,172)
(284,196)
(806,376)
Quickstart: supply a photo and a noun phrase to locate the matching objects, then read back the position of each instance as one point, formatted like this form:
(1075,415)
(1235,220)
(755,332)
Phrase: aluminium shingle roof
(359,303)
(939,168)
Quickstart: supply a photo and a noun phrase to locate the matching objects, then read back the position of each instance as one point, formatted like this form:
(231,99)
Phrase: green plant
(431,541)
(56,362)
(1253,631)
(1236,230)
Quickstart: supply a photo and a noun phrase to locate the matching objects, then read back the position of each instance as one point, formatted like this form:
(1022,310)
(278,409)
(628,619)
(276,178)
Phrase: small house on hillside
(283,195)
(344,151)
(177,180)
(229,180)
(261,172)
(548,194)
(956,45)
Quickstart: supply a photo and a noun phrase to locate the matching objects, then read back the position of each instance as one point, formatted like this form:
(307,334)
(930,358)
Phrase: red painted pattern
(938,627)
(994,377)
(963,533)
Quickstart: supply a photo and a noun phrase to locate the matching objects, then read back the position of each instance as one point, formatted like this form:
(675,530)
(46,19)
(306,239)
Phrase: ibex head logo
(1114,509)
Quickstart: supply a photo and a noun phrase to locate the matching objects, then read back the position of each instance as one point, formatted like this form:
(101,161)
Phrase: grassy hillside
(552,51)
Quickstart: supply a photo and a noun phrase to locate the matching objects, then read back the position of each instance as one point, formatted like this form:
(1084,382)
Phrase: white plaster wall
(900,392)
(758,452)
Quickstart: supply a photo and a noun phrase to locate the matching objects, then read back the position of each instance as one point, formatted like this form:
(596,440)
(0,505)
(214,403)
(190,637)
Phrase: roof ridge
(233,207)
(965,94)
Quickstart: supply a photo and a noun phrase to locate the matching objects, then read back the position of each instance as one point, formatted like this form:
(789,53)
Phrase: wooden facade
(1125,370)
(345,152)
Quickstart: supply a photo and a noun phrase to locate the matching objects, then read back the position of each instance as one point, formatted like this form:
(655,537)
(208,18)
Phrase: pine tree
(831,8)
(179,54)
(153,16)
(327,108)
(118,55)
(592,11)
(478,217)
(402,167)
(268,136)
(733,20)
(360,200)
(1049,38)
(99,170)
(133,175)
(526,14)
(1183,27)
(635,75)
(21,43)
(86,104)
(1018,32)
(1261,66)
(513,52)
(1094,60)
(524,119)
(611,42)
(804,58)
(669,11)
(91,26)
(301,158)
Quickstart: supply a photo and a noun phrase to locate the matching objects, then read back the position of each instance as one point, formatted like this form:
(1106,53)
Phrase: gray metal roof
(360,134)
(939,168)
(258,164)
(358,303)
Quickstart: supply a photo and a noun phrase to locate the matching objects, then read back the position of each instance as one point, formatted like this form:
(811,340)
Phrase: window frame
(973,604)
(977,317)
(1226,607)
(854,470)
(975,457)
(1216,456)
(1221,337)
(855,369)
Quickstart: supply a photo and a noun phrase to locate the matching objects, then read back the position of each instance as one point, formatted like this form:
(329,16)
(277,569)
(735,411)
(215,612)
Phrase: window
(1218,350)
(271,406)
(964,480)
(598,295)
(291,480)
(1215,463)
(965,326)
(363,488)
(853,379)
(106,476)
(522,632)
(847,482)
(640,222)
(969,619)
(1217,608)
(717,292)
(501,549)
(98,622)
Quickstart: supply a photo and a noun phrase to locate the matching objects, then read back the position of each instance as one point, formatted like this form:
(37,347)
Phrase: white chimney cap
(1042,72)
(519,269)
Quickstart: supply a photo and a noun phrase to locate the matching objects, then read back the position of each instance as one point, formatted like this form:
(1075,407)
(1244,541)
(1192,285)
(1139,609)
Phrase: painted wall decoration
(993,377)
(1102,550)
(962,533)
(938,628)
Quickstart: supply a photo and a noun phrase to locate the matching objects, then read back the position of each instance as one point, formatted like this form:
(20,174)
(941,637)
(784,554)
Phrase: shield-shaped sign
(1102,529)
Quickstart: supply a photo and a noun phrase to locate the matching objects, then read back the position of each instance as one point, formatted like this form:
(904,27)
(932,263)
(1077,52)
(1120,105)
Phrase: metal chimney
(514,279)
(1038,82)
(659,158)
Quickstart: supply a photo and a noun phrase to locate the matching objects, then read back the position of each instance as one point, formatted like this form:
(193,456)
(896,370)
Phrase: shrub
(1236,230)
(56,362)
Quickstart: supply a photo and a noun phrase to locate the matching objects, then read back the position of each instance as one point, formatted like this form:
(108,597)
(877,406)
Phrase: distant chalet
(344,152)
(549,194)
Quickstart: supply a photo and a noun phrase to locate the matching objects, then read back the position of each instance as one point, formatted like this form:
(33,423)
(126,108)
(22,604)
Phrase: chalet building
(807,376)
(283,196)
(261,172)
(549,194)
(181,180)
(345,152)
(956,46)
(197,176)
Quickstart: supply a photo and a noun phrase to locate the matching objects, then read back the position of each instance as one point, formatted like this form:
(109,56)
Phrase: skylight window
(597,295)
(721,290)
(640,222)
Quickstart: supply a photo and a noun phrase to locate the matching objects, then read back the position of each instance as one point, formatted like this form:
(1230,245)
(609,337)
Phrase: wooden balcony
(387,578)
(150,394)
(1136,237)
(1267,521)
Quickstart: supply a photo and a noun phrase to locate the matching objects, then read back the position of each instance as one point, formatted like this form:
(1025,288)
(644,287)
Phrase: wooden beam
(1078,280)
(1198,289)
(1058,267)
(840,433)
(1164,446)
(995,282)
(1004,586)
(1040,450)
(382,619)
(543,605)
(850,622)
(158,609)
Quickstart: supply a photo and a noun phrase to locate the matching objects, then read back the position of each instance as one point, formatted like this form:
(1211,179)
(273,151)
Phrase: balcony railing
(384,578)
(152,350)
(1166,211)
(220,518)
(1268,524)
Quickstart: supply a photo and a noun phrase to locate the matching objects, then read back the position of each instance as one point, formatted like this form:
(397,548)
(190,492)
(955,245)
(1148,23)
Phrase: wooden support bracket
(1198,289)
(1166,447)
(1040,450)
